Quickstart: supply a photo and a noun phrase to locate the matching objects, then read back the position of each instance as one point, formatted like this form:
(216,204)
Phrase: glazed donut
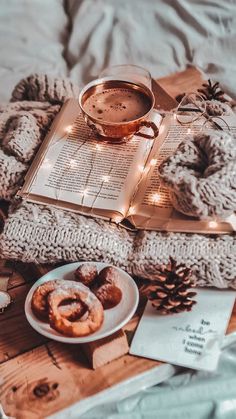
(39,301)
(201,175)
(81,327)
(109,295)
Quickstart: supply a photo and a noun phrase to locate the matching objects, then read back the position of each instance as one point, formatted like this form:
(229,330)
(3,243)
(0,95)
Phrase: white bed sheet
(80,37)
(162,35)
(33,34)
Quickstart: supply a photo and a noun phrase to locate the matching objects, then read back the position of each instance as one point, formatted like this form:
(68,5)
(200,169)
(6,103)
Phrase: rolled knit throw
(36,233)
(201,175)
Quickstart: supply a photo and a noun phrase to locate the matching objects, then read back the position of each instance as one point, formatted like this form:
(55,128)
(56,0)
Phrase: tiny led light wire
(72,164)
(212,224)
(144,173)
(156,197)
(45,161)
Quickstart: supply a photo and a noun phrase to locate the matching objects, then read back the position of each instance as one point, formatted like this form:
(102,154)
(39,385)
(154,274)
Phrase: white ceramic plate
(114,318)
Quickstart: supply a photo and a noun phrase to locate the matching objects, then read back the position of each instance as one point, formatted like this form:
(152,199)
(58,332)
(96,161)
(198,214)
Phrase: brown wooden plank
(52,377)
(31,271)
(61,376)
(19,272)
(16,335)
(103,351)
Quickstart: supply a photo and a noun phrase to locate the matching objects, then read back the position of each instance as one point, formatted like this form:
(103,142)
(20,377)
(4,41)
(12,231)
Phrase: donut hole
(78,293)
(109,295)
(72,309)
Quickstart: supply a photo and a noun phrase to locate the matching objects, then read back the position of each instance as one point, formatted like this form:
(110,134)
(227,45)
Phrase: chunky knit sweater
(201,175)
(36,233)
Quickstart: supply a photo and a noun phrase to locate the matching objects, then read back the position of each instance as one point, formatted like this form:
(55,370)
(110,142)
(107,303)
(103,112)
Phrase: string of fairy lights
(155,197)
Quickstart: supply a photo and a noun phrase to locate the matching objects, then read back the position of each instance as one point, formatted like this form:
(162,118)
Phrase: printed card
(190,339)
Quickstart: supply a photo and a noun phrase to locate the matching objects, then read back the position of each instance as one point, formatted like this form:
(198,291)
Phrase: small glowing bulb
(105,179)
(153,162)
(69,129)
(85,192)
(213,224)
(141,168)
(117,219)
(47,163)
(131,210)
(189,131)
(161,129)
(73,163)
(155,198)
(98,147)
(174,116)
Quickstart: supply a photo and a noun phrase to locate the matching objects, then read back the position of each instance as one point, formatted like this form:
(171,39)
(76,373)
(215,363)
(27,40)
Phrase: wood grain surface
(38,377)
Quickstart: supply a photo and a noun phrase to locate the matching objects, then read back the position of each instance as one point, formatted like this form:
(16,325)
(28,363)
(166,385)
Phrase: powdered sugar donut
(39,302)
(81,327)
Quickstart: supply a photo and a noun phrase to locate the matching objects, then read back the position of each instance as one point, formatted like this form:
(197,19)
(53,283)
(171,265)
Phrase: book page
(88,173)
(151,207)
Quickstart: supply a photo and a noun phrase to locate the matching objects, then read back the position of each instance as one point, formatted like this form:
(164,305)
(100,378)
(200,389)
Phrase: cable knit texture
(37,233)
(201,175)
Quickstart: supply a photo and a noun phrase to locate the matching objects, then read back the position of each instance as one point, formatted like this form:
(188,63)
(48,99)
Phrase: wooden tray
(40,377)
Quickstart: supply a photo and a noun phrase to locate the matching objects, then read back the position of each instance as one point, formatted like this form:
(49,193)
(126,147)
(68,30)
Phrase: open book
(74,171)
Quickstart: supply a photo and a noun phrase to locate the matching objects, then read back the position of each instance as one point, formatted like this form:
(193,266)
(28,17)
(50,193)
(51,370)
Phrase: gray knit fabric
(22,136)
(36,233)
(201,175)
(216,108)
(45,88)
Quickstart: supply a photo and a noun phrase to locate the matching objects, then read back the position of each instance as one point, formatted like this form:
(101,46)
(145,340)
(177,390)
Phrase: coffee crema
(117,105)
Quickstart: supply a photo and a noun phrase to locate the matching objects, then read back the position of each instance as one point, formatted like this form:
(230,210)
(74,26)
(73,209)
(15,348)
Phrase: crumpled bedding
(78,38)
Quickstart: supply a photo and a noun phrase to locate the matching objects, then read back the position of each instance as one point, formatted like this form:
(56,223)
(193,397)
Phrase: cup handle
(148,124)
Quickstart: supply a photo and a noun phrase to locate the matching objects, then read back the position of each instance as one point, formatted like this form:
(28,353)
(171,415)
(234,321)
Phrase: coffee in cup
(117,104)
(117,109)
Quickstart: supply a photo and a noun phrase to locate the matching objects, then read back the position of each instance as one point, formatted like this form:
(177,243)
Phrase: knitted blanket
(40,234)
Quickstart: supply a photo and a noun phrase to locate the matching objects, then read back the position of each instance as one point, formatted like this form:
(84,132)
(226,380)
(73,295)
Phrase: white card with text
(190,339)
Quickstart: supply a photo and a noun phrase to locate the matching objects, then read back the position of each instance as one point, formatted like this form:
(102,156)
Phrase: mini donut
(108,275)
(39,301)
(109,295)
(81,327)
(86,273)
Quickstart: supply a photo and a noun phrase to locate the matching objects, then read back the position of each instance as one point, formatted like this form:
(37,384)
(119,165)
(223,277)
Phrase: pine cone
(169,292)
(211,91)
